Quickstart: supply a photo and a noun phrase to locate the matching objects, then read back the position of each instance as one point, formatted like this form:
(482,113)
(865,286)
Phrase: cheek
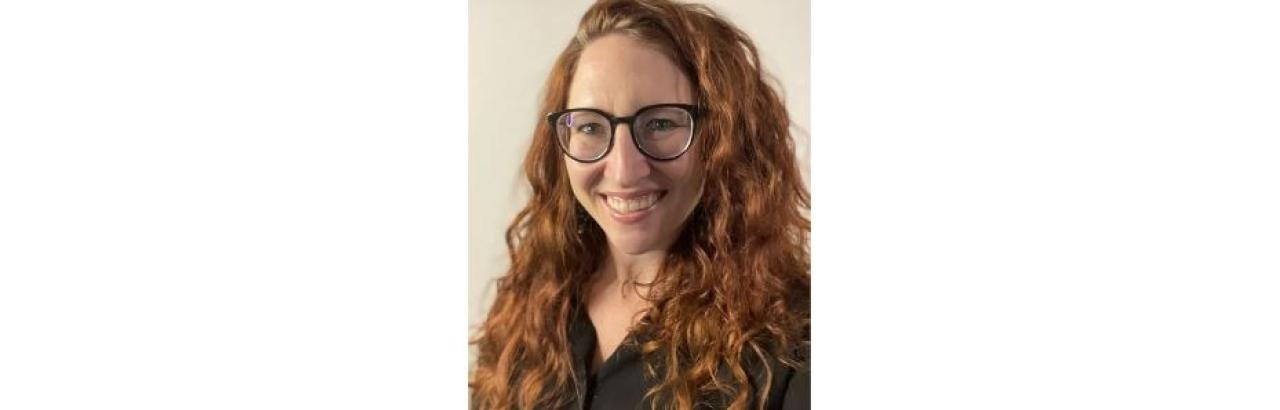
(580,177)
(686,173)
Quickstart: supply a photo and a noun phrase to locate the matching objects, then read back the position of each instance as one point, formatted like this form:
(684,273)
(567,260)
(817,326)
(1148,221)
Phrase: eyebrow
(633,112)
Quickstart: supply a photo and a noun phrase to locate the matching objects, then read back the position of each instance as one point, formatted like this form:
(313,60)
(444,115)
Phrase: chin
(631,245)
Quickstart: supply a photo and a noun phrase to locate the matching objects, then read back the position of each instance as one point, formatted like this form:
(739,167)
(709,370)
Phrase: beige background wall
(512,46)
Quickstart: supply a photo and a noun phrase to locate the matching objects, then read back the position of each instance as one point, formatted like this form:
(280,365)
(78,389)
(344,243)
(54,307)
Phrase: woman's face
(640,203)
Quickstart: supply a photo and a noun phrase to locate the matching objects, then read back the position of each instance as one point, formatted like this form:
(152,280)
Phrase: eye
(660,124)
(588,128)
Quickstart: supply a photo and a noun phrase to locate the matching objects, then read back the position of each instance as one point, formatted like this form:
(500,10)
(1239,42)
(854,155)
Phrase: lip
(632,194)
(630,217)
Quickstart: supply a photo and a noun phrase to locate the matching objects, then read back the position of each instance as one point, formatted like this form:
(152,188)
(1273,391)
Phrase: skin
(619,75)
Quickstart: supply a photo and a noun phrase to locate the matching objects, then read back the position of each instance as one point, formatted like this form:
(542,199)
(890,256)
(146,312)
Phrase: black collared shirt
(620,382)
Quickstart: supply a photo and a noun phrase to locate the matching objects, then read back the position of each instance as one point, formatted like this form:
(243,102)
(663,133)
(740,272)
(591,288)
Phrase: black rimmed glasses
(662,132)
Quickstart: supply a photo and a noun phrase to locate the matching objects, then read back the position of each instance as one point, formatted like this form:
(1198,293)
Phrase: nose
(626,165)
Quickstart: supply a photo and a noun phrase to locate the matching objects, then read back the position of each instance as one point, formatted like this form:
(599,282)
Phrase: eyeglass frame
(695,113)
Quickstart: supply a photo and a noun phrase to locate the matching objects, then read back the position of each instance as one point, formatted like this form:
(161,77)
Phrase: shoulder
(796,394)
(790,387)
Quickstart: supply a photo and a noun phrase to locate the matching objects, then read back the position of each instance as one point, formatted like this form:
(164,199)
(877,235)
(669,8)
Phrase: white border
(232,205)
(1034,205)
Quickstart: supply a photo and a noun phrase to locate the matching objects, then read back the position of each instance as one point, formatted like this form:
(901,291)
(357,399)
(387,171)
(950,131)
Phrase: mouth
(631,207)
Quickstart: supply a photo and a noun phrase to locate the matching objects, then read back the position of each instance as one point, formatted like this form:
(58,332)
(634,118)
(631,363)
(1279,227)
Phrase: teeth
(624,206)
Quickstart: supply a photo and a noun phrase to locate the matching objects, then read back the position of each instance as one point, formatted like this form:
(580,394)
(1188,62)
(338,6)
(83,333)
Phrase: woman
(662,260)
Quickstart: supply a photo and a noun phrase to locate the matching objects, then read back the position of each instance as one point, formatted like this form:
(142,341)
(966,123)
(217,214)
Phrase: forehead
(619,74)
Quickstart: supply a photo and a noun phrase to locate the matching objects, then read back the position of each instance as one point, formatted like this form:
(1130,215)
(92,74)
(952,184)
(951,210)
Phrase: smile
(632,207)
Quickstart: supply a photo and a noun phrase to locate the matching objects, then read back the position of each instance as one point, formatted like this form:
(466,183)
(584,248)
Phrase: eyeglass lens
(660,132)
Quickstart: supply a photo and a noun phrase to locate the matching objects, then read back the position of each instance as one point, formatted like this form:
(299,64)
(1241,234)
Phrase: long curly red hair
(735,285)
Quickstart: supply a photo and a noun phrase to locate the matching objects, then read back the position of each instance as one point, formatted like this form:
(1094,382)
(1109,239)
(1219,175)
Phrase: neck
(624,271)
